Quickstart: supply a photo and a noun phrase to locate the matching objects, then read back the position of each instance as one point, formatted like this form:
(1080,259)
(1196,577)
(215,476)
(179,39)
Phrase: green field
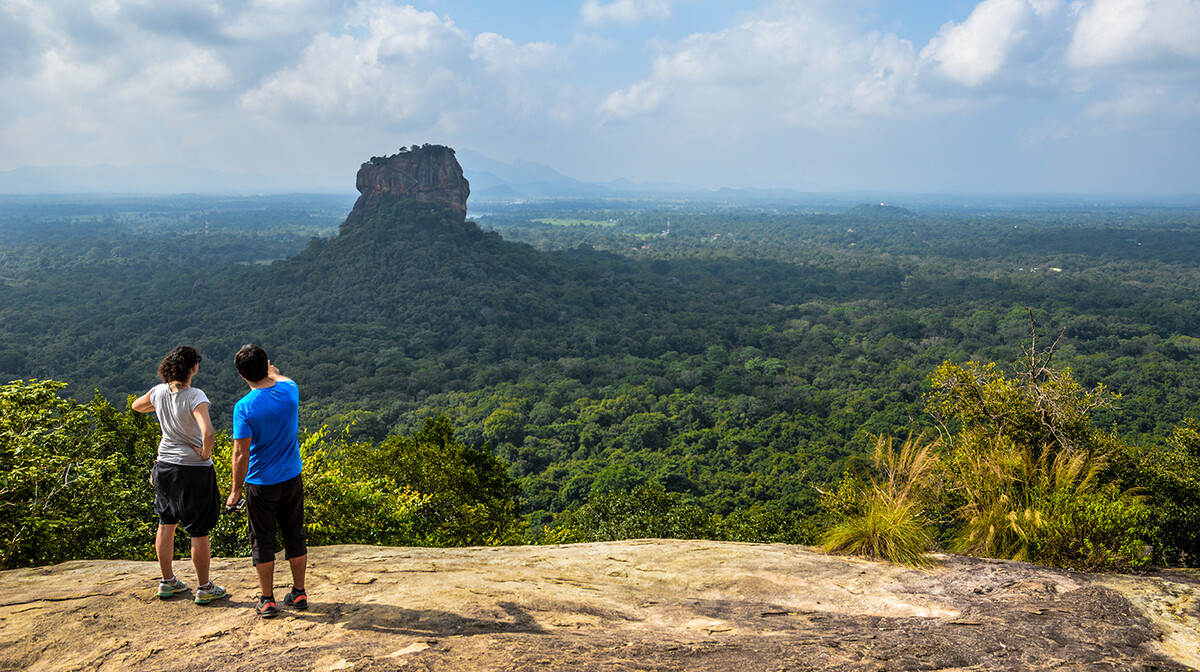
(555,221)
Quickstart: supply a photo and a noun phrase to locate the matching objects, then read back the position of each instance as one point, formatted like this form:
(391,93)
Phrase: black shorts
(276,506)
(186,495)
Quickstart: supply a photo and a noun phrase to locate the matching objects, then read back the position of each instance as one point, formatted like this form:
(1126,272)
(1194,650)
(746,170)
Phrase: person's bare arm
(200,413)
(274,374)
(241,462)
(143,404)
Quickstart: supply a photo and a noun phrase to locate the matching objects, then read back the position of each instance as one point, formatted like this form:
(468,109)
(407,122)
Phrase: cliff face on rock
(428,174)
(636,605)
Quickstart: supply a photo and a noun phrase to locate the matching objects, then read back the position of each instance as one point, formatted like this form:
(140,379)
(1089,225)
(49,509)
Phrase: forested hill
(410,301)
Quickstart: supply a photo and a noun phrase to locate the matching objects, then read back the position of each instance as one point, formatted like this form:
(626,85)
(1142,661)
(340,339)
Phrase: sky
(929,96)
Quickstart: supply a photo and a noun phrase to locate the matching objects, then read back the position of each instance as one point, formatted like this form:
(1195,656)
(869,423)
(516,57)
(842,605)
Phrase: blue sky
(944,96)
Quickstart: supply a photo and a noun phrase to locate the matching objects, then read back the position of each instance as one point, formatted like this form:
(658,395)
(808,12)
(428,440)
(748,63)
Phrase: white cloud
(974,51)
(810,84)
(1139,101)
(624,11)
(517,77)
(500,54)
(191,72)
(639,99)
(792,65)
(1136,33)
(396,65)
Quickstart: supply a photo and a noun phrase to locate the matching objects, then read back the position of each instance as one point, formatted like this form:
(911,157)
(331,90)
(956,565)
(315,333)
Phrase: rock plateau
(428,173)
(636,605)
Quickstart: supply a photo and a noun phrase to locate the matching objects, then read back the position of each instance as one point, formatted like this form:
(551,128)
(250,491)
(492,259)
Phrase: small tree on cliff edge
(1026,466)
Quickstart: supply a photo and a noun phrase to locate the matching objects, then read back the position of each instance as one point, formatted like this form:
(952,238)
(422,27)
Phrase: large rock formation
(429,173)
(636,605)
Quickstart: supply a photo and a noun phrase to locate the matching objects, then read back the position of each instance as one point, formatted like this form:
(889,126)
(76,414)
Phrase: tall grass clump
(1049,507)
(886,514)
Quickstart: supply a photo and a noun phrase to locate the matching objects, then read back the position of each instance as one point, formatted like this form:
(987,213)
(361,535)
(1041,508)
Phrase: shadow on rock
(391,619)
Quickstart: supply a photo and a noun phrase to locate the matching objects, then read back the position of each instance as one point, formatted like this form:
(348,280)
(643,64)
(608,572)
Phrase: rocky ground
(637,605)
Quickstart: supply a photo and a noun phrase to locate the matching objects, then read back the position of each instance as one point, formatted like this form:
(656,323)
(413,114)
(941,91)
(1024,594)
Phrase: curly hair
(178,363)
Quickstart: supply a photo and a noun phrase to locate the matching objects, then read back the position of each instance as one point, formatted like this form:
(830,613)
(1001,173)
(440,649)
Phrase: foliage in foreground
(74,485)
(649,511)
(74,478)
(1020,474)
(1023,475)
(1028,470)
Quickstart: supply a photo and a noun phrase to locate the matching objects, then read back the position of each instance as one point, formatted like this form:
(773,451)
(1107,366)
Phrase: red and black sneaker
(296,599)
(266,607)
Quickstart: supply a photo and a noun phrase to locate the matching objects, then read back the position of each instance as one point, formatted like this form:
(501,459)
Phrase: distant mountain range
(497,181)
(491,180)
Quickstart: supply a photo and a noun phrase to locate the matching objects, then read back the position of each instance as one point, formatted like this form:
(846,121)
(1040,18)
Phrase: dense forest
(726,363)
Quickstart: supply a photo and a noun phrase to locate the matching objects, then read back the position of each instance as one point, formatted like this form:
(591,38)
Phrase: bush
(1169,478)
(348,502)
(1048,508)
(73,478)
(647,511)
(888,529)
(459,495)
(767,527)
(1101,530)
(1029,470)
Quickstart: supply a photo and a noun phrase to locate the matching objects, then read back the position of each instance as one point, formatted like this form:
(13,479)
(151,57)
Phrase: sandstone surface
(429,174)
(636,605)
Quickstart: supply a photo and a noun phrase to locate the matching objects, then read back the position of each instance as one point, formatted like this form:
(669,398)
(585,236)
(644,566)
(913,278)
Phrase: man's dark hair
(251,362)
(178,363)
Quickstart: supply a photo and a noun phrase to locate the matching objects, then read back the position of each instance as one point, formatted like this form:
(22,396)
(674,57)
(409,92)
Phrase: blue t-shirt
(270,418)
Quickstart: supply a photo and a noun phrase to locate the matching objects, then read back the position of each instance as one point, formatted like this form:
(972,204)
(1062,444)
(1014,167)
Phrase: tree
(1027,466)
(647,511)
(73,478)
(465,496)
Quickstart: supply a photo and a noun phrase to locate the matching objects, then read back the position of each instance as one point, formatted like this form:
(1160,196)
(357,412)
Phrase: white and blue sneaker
(209,592)
(170,587)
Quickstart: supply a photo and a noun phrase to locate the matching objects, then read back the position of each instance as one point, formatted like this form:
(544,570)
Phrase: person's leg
(262,504)
(201,558)
(261,508)
(266,578)
(200,509)
(299,568)
(291,525)
(164,548)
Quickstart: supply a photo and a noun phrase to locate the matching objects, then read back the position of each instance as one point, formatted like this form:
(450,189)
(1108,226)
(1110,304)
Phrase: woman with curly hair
(183,476)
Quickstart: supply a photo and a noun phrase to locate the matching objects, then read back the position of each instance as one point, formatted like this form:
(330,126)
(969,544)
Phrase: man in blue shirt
(266,461)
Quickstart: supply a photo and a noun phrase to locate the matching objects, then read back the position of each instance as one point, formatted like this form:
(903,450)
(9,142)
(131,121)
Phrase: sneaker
(266,607)
(204,595)
(296,600)
(170,587)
